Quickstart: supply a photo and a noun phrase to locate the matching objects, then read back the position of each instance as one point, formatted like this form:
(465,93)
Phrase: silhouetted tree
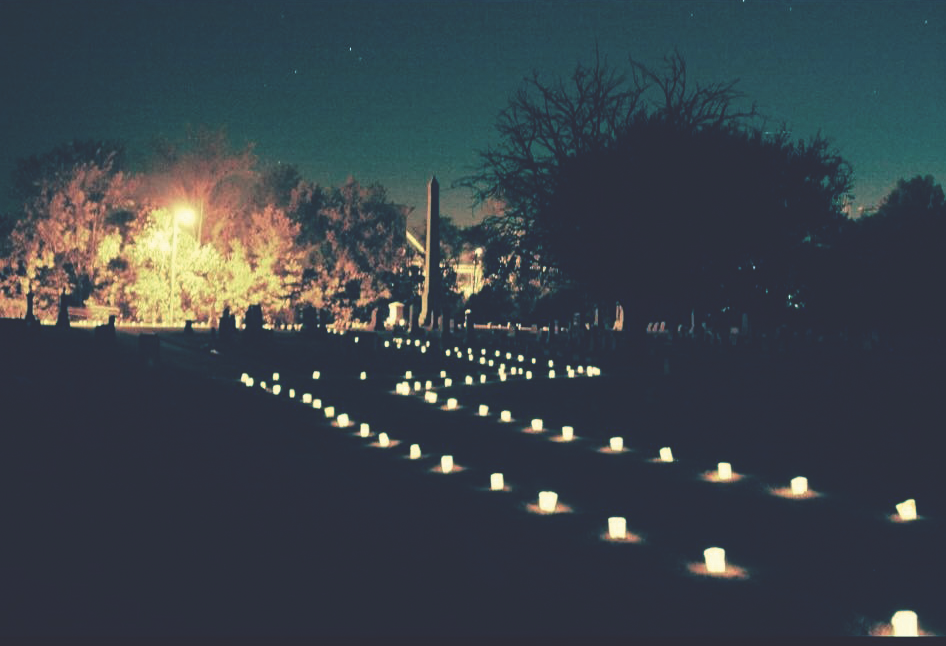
(888,268)
(667,220)
(660,193)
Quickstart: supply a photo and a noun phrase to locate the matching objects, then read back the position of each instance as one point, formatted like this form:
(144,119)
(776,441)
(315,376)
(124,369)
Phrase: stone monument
(430,305)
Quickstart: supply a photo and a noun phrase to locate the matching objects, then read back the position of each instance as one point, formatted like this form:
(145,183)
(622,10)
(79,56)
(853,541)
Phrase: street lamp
(182,215)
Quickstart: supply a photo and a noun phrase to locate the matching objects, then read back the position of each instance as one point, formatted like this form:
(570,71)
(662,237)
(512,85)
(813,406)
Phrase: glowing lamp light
(428,385)
(724,471)
(292,393)
(342,419)
(715,558)
(277,389)
(907,510)
(469,380)
(415,452)
(505,416)
(528,374)
(316,374)
(447,382)
(568,433)
(617,443)
(306,398)
(417,385)
(508,356)
(364,430)
(387,344)
(904,624)
(581,370)
(244,377)
(617,527)
(446,463)
(330,411)
(383,440)
(423,350)
(551,363)
(451,404)
(249,382)
(275,376)
(482,350)
(799,486)
(520,358)
(403,388)
(483,361)
(316,403)
(262,385)
(551,374)
(666,455)
(443,374)
(417,343)
(363,376)
(482,379)
(483,410)
(408,375)
(497,353)
(548,500)
(537,424)
(496,482)
(490,363)
(533,359)
(502,376)
(430,397)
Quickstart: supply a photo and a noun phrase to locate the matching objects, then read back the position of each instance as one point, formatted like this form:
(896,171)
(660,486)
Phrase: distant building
(469,268)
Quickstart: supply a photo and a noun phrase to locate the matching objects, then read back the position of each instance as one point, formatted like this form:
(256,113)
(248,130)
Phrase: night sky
(395,91)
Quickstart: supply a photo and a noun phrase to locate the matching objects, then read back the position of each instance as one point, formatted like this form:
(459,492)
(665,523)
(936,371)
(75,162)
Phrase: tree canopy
(263,237)
(655,191)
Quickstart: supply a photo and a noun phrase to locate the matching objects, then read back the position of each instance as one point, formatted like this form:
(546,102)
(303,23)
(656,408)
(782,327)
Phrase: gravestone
(62,321)
(30,318)
(106,333)
(254,321)
(310,319)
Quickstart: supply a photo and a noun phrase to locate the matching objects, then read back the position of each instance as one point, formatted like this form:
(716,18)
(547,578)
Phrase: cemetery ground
(175,501)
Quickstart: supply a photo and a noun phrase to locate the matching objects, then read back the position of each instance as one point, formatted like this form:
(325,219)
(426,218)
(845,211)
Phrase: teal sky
(396,91)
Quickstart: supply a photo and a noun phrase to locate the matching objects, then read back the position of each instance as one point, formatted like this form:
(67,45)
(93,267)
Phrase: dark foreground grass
(176,502)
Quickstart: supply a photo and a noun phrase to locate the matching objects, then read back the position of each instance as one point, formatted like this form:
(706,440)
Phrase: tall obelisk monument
(430,306)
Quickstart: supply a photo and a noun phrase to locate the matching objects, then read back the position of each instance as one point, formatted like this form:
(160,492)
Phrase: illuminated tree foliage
(77,203)
(270,239)
(263,268)
(355,244)
(205,172)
